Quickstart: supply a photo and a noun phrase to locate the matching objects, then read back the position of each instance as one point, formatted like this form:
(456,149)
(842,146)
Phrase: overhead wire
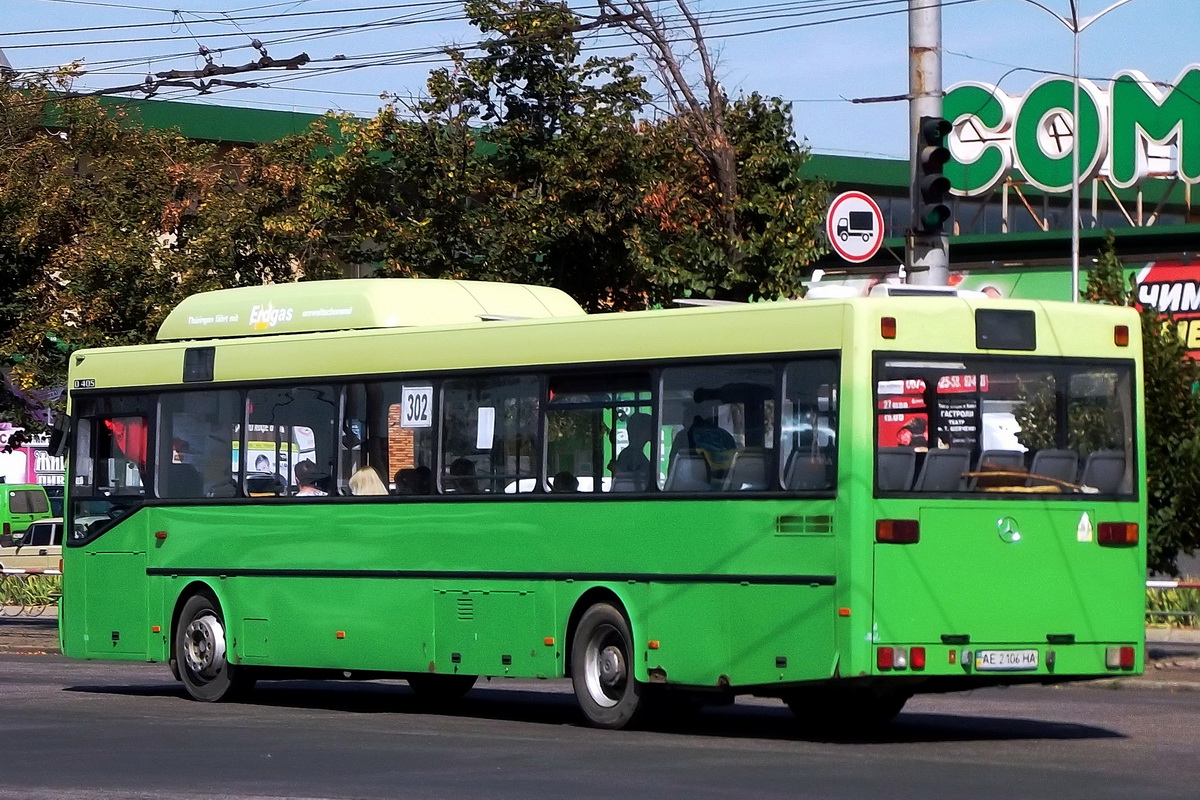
(435,55)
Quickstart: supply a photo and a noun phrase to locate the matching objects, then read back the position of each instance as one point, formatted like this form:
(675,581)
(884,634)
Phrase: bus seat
(747,472)
(625,483)
(895,468)
(184,480)
(1002,460)
(1061,465)
(998,461)
(688,473)
(806,472)
(1104,470)
(944,471)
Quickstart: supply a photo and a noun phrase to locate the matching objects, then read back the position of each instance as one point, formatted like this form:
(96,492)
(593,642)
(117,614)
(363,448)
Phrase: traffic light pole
(928,258)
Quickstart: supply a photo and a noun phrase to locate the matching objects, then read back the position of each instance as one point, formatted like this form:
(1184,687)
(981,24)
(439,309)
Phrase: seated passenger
(413,480)
(631,467)
(462,476)
(711,441)
(564,483)
(306,478)
(366,481)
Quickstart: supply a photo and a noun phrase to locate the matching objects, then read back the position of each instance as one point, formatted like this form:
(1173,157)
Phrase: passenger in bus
(631,467)
(564,483)
(462,476)
(413,480)
(711,441)
(366,481)
(306,479)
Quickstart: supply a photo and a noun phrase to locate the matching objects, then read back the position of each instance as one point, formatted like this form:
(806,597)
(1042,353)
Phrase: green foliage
(106,224)
(1175,607)
(31,591)
(1172,420)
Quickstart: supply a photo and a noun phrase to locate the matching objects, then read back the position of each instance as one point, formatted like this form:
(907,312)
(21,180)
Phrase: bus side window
(290,427)
(405,413)
(489,434)
(723,413)
(198,452)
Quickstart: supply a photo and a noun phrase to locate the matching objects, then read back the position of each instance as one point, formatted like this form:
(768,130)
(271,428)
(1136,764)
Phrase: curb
(1142,684)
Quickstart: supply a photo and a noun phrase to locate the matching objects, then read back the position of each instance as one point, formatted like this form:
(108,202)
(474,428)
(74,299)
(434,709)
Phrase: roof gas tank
(359,303)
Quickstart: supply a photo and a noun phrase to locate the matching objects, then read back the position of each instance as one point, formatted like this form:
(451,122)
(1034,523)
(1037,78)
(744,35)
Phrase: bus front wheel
(602,669)
(200,655)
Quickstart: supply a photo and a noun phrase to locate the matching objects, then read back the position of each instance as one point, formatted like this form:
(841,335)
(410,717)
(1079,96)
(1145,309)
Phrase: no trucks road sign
(854,226)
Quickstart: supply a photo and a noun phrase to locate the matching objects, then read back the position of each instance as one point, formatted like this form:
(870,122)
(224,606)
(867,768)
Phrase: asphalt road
(98,730)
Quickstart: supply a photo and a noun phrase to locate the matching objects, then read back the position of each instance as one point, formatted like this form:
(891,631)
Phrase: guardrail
(1182,615)
(29,592)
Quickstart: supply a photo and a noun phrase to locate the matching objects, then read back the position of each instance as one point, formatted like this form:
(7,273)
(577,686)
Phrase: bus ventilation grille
(466,609)
(814,524)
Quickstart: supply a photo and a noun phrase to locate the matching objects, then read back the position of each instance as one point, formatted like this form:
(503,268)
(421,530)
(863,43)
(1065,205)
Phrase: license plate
(1006,659)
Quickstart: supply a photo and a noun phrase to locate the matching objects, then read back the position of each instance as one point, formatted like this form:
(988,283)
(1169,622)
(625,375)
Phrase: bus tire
(200,654)
(440,688)
(602,669)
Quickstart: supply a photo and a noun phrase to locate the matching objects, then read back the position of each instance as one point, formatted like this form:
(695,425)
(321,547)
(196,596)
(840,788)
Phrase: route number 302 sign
(416,403)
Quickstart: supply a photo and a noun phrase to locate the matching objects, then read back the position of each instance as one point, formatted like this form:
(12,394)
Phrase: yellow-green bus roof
(923,324)
(336,305)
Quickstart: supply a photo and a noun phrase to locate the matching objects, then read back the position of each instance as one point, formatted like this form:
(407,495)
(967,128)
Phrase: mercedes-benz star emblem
(1007,528)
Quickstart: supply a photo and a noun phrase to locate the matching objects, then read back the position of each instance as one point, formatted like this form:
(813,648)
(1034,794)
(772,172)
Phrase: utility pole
(927,244)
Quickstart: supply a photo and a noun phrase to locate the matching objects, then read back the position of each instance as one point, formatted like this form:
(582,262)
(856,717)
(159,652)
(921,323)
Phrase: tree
(106,224)
(522,165)
(1172,419)
(745,224)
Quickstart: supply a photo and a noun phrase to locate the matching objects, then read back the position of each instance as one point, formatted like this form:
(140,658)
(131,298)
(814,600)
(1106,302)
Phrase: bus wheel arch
(199,656)
(601,648)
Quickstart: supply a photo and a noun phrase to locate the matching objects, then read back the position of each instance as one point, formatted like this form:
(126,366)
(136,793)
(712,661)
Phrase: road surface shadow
(753,719)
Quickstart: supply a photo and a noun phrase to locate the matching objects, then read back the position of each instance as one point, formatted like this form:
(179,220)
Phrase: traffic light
(932,185)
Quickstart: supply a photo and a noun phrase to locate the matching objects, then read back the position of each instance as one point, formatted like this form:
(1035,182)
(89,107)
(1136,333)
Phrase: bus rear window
(1003,426)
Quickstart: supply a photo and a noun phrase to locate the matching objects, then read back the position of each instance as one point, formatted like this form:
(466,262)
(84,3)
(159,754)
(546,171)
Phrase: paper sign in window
(486,430)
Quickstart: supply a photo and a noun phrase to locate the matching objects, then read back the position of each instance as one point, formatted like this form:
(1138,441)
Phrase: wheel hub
(612,666)
(204,646)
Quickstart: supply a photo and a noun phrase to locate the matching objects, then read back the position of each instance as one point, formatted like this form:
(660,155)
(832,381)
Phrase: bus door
(107,486)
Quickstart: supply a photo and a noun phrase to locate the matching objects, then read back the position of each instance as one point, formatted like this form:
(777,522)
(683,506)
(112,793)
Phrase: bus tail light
(1119,658)
(888,658)
(1121,335)
(7,530)
(897,531)
(1117,534)
(916,658)
(887,327)
(885,658)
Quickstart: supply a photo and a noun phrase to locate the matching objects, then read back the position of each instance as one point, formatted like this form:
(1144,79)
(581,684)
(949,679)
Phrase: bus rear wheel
(602,669)
(440,688)
(200,654)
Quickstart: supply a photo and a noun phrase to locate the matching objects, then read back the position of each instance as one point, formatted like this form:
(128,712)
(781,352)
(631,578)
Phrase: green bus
(840,503)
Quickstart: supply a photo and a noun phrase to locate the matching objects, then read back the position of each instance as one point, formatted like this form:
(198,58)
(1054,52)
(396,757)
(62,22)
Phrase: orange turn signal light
(1121,335)
(887,327)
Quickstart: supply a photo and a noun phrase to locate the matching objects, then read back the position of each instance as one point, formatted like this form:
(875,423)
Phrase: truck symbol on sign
(856,223)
